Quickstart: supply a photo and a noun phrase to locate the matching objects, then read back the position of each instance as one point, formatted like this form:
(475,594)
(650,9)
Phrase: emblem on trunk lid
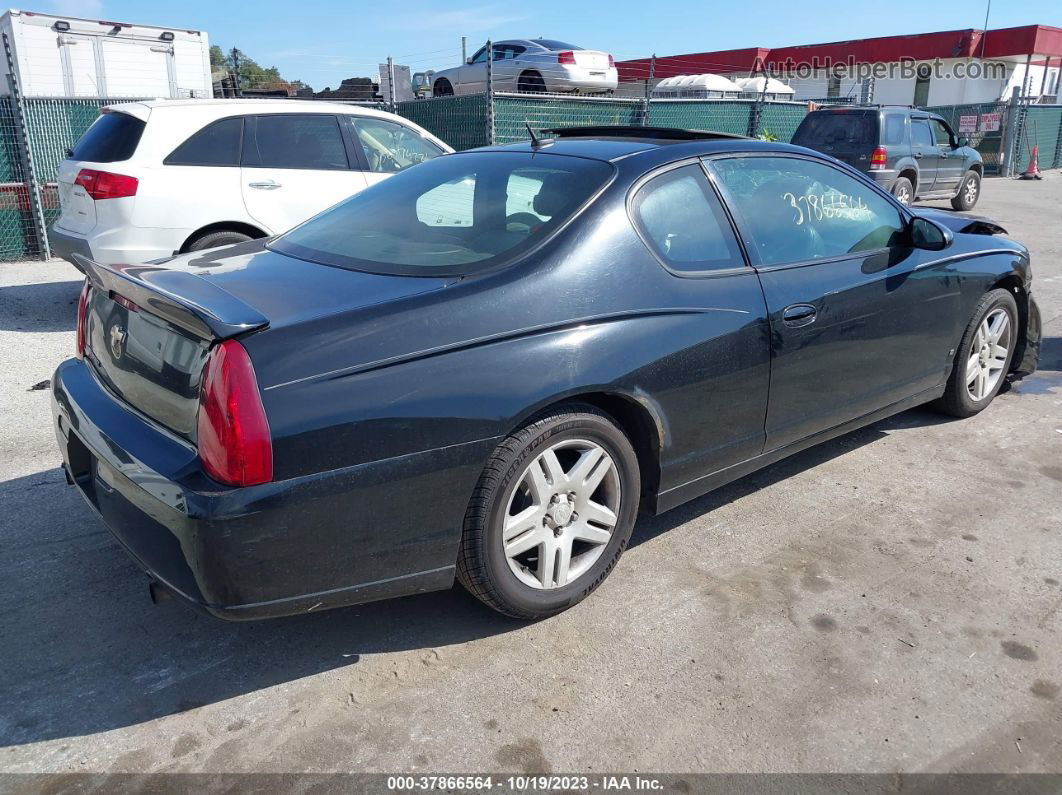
(117,340)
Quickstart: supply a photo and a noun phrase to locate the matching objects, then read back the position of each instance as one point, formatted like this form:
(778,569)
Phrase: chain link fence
(1004,133)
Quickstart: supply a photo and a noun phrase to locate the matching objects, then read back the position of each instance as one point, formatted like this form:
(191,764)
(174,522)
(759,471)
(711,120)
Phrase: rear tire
(969,192)
(442,88)
(526,551)
(531,83)
(903,190)
(980,368)
(219,237)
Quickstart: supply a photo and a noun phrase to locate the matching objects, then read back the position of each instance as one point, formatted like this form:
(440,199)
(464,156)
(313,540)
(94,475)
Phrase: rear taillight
(611,61)
(567,57)
(105,185)
(878,159)
(82,311)
(234,442)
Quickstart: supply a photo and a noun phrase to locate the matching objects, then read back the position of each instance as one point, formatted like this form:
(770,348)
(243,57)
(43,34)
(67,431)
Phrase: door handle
(797,315)
(918,156)
(266,184)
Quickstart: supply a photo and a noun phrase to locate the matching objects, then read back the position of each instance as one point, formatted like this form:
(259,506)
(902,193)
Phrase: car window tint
(941,133)
(796,210)
(217,144)
(480,56)
(833,128)
(391,147)
(111,138)
(682,221)
(297,141)
(895,124)
(451,215)
(921,135)
(553,44)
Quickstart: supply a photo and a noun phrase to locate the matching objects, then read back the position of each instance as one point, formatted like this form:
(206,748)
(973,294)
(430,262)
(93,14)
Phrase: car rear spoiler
(177,296)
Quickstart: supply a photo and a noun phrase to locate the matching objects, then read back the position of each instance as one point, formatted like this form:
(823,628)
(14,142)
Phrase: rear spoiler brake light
(187,301)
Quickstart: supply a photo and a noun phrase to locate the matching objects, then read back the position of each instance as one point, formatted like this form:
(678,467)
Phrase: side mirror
(468,60)
(964,142)
(929,235)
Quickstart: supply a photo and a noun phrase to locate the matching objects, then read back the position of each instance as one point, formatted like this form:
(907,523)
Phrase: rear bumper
(884,177)
(283,548)
(116,245)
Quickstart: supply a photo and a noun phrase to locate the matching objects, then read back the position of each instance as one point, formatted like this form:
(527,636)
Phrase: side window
(941,132)
(480,56)
(795,210)
(291,140)
(681,220)
(450,204)
(391,147)
(921,135)
(894,129)
(217,144)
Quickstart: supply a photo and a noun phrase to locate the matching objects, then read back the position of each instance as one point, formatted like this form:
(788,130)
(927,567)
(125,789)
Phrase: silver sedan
(531,66)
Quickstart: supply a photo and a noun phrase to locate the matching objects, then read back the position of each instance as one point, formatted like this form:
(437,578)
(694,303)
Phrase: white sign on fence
(968,123)
(990,122)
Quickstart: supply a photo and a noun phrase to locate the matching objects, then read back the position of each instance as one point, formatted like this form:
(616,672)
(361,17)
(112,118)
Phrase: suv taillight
(878,159)
(105,185)
(234,442)
(611,61)
(567,57)
(82,312)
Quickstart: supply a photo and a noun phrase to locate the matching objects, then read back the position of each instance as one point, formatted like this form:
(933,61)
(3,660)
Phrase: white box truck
(61,56)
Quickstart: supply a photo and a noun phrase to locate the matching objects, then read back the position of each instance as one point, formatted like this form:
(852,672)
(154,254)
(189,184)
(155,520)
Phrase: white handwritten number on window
(825,206)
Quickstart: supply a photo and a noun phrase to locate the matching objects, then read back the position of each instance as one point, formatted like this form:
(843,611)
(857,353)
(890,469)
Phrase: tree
(248,74)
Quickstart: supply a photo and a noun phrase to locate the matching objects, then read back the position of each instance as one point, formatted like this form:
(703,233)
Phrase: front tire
(984,355)
(552,513)
(969,192)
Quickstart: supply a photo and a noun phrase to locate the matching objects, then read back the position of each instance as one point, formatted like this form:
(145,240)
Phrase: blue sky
(323,41)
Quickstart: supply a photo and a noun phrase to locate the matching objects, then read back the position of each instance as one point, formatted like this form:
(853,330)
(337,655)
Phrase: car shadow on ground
(43,307)
(87,652)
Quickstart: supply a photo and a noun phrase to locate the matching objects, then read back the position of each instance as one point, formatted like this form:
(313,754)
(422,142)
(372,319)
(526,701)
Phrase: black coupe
(486,365)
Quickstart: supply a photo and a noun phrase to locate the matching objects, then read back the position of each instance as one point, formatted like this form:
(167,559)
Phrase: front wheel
(551,514)
(969,192)
(983,357)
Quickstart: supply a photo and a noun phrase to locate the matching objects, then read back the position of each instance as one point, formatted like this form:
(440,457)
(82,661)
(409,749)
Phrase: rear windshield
(553,44)
(838,128)
(112,137)
(453,215)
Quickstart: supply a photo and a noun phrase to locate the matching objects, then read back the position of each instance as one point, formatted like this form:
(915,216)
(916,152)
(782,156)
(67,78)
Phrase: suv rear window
(450,216)
(831,127)
(111,138)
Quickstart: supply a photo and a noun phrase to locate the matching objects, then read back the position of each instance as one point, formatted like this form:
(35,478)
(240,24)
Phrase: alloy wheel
(969,191)
(988,355)
(561,514)
(903,196)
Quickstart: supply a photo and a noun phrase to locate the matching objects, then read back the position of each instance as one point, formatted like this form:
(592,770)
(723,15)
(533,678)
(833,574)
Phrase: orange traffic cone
(1033,170)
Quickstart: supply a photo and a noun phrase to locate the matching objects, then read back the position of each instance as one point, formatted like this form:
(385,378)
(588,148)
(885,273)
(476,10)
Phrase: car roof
(233,107)
(612,149)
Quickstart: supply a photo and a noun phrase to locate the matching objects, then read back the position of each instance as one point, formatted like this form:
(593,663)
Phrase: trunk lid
(591,59)
(150,328)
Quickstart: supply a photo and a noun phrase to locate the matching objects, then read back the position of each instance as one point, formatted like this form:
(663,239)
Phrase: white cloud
(462,20)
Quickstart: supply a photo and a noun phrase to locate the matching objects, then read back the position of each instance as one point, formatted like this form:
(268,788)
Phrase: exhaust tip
(158,593)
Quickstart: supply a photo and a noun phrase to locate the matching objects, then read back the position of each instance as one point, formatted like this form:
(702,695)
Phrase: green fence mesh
(512,113)
(702,114)
(460,121)
(779,120)
(1043,130)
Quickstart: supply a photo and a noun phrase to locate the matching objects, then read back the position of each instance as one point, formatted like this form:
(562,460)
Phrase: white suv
(151,179)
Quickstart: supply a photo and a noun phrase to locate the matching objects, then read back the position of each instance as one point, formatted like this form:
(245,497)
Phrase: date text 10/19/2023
(524,783)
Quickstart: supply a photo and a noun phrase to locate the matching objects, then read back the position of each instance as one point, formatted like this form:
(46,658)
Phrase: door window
(291,140)
(507,52)
(941,132)
(681,220)
(391,147)
(794,210)
(921,135)
(894,129)
(217,144)
(480,56)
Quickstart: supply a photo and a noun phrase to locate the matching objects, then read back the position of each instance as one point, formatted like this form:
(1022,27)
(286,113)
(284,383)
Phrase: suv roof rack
(633,131)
